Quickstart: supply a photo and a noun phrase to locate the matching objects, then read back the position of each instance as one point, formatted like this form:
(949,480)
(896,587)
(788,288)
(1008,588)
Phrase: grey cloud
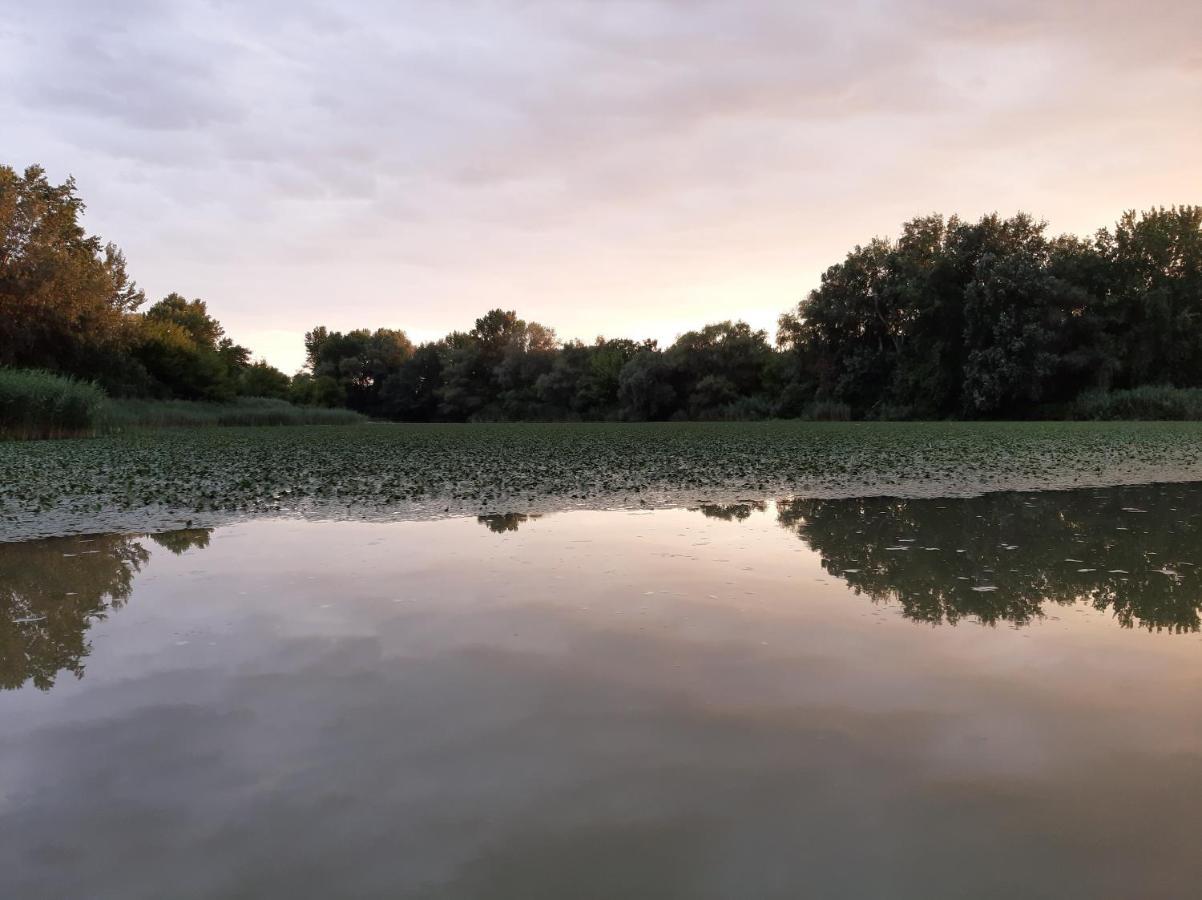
(134,69)
(554,143)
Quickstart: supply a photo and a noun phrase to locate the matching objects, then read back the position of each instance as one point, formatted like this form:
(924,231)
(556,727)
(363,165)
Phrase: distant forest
(953,319)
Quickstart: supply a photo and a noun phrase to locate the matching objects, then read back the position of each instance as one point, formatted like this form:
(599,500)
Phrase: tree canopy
(951,319)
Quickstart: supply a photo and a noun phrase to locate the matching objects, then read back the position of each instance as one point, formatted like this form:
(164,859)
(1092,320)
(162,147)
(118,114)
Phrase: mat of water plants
(175,477)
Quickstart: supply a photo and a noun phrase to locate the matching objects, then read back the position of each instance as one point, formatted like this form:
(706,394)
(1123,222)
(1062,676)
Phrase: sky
(633,168)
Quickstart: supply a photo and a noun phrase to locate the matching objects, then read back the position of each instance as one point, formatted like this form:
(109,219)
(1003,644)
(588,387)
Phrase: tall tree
(1155,302)
(64,295)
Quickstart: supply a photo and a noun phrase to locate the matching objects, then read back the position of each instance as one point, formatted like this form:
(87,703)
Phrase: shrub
(243,411)
(38,404)
(1150,402)
(892,412)
(827,411)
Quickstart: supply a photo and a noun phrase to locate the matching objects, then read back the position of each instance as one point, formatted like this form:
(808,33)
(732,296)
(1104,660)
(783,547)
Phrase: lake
(925,697)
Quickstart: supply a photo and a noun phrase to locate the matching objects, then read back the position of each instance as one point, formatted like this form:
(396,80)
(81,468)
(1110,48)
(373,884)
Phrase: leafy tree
(952,318)
(180,367)
(359,361)
(645,389)
(718,365)
(322,390)
(64,296)
(1012,319)
(185,352)
(263,380)
(411,392)
(190,316)
(1154,308)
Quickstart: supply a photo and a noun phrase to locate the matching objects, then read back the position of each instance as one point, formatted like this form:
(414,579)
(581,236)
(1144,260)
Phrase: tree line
(953,319)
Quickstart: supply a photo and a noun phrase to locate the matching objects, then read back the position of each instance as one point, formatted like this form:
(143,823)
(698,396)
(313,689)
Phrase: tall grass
(1150,402)
(124,414)
(826,411)
(37,404)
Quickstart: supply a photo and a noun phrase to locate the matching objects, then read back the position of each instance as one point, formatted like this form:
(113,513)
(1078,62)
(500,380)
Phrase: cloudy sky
(628,168)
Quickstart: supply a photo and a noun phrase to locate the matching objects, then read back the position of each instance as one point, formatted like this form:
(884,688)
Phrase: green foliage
(350,369)
(187,355)
(1149,402)
(986,319)
(38,404)
(139,413)
(323,391)
(263,380)
(65,297)
(1153,310)
(67,305)
(954,319)
(645,388)
(179,366)
(191,317)
(827,411)
(994,318)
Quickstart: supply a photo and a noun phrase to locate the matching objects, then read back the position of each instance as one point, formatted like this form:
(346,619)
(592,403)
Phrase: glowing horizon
(633,169)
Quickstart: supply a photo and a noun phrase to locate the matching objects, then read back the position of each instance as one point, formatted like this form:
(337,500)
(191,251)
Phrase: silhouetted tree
(991,318)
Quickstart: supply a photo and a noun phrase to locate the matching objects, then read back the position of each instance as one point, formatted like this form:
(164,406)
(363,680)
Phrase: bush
(244,411)
(1150,402)
(827,411)
(263,380)
(37,404)
(892,412)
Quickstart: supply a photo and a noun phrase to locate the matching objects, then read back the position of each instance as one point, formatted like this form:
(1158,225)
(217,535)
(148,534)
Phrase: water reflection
(51,591)
(1003,557)
(732,512)
(499,523)
(183,539)
(610,704)
(1134,552)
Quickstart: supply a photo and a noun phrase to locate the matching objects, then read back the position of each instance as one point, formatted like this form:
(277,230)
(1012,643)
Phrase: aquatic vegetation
(1148,402)
(138,413)
(152,480)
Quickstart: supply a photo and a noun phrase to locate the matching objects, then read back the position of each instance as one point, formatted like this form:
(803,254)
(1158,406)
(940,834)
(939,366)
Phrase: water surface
(989,697)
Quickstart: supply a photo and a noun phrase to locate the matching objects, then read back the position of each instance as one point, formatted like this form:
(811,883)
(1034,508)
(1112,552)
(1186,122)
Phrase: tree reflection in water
(51,591)
(732,512)
(1135,551)
(499,523)
(1000,558)
(183,539)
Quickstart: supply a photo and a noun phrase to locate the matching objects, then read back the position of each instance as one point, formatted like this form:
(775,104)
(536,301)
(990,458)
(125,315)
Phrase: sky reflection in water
(725,701)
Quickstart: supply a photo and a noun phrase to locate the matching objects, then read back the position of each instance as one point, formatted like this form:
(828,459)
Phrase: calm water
(985,698)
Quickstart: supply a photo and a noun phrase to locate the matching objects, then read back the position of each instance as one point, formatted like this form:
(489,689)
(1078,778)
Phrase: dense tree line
(508,369)
(993,318)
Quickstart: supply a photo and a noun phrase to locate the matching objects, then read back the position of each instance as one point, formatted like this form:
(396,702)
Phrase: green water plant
(38,404)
